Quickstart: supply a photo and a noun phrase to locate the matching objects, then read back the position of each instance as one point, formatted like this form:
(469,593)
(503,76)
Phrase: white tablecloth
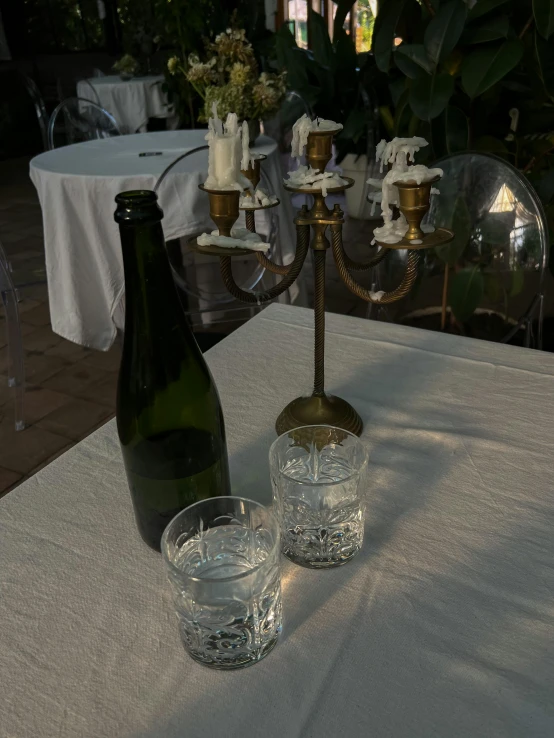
(131,102)
(77,185)
(441,627)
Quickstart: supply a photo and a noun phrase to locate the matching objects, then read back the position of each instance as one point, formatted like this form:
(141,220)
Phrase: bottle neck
(151,301)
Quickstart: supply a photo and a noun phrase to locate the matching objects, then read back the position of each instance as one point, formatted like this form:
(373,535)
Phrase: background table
(77,186)
(441,626)
(131,101)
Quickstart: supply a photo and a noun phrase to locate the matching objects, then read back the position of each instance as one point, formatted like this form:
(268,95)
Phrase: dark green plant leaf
(465,292)
(492,285)
(492,145)
(385,31)
(406,66)
(545,186)
(429,95)
(450,132)
(443,32)
(321,43)
(396,90)
(343,8)
(416,54)
(483,68)
(545,57)
(461,226)
(482,7)
(402,114)
(489,29)
(551,260)
(518,279)
(346,60)
(543,10)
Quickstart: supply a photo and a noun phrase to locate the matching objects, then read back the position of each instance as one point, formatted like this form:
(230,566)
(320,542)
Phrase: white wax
(261,198)
(312,179)
(376,296)
(240,238)
(246,158)
(226,143)
(302,129)
(392,231)
(418,174)
(398,153)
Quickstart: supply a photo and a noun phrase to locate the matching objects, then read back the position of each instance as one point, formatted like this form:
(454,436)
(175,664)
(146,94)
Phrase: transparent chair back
(198,275)
(40,108)
(91,93)
(83,120)
(500,232)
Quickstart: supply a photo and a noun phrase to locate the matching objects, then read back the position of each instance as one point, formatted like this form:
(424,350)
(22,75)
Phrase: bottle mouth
(137,207)
(136,198)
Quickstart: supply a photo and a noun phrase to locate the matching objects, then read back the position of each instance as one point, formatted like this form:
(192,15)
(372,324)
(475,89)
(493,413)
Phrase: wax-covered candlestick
(398,154)
(302,129)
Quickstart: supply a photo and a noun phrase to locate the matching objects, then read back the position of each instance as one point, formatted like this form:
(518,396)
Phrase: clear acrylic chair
(83,120)
(500,229)
(10,300)
(91,92)
(207,300)
(40,108)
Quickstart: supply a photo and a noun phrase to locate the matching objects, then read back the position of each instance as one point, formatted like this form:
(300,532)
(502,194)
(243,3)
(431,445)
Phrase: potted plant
(127,66)
(229,76)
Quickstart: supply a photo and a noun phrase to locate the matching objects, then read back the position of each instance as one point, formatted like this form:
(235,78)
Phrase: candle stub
(228,149)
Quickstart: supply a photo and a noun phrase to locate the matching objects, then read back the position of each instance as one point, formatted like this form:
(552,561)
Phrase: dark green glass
(169,417)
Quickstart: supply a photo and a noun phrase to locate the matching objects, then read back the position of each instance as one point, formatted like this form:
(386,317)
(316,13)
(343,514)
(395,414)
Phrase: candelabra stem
(319,318)
(250,221)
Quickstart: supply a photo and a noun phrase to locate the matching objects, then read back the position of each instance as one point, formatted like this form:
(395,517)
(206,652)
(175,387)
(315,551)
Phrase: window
(359,21)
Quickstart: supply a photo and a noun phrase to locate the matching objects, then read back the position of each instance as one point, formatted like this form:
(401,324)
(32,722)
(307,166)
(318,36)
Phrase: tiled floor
(70,391)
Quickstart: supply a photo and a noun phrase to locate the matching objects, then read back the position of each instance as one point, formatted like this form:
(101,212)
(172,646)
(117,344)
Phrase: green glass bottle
(169,418)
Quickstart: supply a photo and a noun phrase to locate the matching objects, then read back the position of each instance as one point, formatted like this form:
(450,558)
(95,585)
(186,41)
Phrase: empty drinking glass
(222,557)
(317,474)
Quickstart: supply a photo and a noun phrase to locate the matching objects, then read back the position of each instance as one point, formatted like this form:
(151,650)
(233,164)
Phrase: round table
(131,101)
(77,186)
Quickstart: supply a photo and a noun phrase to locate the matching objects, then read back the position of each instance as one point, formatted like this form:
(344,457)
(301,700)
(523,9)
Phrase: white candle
(226,143)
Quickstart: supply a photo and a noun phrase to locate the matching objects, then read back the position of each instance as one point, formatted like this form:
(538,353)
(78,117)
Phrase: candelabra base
(319,410)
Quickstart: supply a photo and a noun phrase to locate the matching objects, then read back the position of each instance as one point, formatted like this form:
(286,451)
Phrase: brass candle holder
(320,408)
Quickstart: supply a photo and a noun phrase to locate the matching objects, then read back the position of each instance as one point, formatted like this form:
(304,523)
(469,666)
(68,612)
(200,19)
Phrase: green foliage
(543,10)
(456,79)
(444,30)
(485,67)
(465,292)
(333,79)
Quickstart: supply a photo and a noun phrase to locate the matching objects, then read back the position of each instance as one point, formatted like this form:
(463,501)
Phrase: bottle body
(169,417)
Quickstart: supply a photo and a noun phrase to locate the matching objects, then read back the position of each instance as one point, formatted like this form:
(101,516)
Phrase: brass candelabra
(320,408)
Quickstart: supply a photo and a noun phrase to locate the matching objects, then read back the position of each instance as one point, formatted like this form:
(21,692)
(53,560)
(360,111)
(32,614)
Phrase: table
(131,101)
(76,186)
(442,625)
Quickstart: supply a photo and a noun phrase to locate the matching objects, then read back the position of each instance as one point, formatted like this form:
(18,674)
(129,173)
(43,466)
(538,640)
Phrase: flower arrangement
(127,66)
(230,77)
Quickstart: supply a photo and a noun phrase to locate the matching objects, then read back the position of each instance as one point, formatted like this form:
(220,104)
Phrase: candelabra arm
(362,266)
(294,268)
(403,288)
(271,266)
